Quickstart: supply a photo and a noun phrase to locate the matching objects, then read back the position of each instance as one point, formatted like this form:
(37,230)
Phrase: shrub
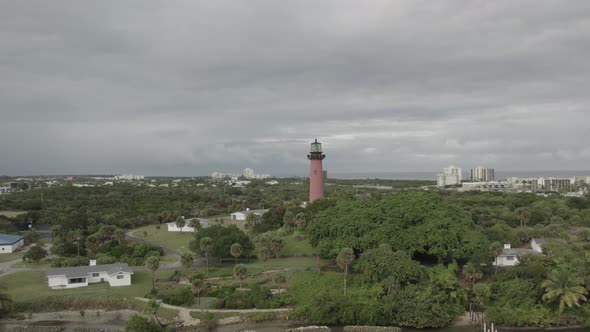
(176,295)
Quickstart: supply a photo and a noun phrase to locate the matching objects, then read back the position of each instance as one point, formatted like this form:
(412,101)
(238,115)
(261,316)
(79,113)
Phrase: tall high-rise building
(482,174)
(316,173)
(454,170)
(450,176)
(248,173)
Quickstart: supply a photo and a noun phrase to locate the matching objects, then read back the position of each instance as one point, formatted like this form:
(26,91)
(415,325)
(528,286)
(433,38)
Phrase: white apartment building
(451,176)
(248,173)
(556,184)
(482,174)
(454,170)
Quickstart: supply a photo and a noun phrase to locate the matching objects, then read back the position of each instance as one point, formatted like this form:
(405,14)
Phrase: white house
(510,256)
(10,243)
(187,227)
(80,276)
(242,215)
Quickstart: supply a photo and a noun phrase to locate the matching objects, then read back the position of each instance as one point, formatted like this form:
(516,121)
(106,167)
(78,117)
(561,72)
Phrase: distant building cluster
(128,177)
(248,173)
(9,187)
(550,184)
(484,179)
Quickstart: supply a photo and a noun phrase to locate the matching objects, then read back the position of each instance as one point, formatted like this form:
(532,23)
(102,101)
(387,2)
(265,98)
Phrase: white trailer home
(80,276)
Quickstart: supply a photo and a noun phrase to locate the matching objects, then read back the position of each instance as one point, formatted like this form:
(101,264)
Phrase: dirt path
(184,314)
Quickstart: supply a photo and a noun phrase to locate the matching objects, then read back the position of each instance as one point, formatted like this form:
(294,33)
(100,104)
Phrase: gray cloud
(185,87)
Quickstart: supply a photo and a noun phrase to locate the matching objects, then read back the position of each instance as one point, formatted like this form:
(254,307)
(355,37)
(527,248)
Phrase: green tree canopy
(415,222)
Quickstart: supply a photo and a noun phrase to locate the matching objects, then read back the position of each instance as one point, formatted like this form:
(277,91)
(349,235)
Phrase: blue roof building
(10,243)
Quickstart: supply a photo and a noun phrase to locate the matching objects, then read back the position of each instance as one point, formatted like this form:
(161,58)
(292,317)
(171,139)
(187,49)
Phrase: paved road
(7,267)
(176,265)
(131,235)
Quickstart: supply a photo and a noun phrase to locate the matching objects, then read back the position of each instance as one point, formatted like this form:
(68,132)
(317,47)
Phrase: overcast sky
(190,87)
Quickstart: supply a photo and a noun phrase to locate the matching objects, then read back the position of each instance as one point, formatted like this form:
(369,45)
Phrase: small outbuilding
(188,227)
(242,215)
(10,243)
(118,274)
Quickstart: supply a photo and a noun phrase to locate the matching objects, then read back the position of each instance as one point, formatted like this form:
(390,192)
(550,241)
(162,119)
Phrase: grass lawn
(177,241)
(206,303)
(29,286)
(32,265)
(296,248)
(296,261)
(225,220)
(11,257)
(12,214)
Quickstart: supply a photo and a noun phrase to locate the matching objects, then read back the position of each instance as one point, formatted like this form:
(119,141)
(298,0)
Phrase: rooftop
(541,241)
(257,211)
(517,252)
(9,239)
(82,271)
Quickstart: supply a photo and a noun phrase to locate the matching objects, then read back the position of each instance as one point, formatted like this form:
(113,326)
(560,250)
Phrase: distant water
(432,175)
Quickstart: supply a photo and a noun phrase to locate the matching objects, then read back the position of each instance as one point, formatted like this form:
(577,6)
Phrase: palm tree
(344,259)
(236,250)
(496,248)
(77,235)
(119,235)
(196,224)
(240,273)
(186,260)
(180,223)
(279,279)
(153,264)
(197,285)
(300,221)
(5,301)
(154,305)
(472,273)
(206,244)
(565,286)
(523,215)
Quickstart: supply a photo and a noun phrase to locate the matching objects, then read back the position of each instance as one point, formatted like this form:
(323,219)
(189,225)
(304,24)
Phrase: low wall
(310,329)
(371,329)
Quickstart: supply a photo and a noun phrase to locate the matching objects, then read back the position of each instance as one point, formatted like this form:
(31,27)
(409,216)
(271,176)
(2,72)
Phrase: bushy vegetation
(258,297)
(421,224)
(434,302)
(222,240)
(405,258)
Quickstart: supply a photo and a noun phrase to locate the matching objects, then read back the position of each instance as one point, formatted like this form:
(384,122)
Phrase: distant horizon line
(288,176)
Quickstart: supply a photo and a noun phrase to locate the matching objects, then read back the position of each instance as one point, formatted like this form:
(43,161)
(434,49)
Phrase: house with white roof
(242,215)
(10,243)
(510,256)
(118,274)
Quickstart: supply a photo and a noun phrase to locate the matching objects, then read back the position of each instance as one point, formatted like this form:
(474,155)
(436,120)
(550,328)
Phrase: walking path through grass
(184,313)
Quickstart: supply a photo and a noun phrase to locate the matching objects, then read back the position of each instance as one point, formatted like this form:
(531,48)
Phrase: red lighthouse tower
(316,173)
